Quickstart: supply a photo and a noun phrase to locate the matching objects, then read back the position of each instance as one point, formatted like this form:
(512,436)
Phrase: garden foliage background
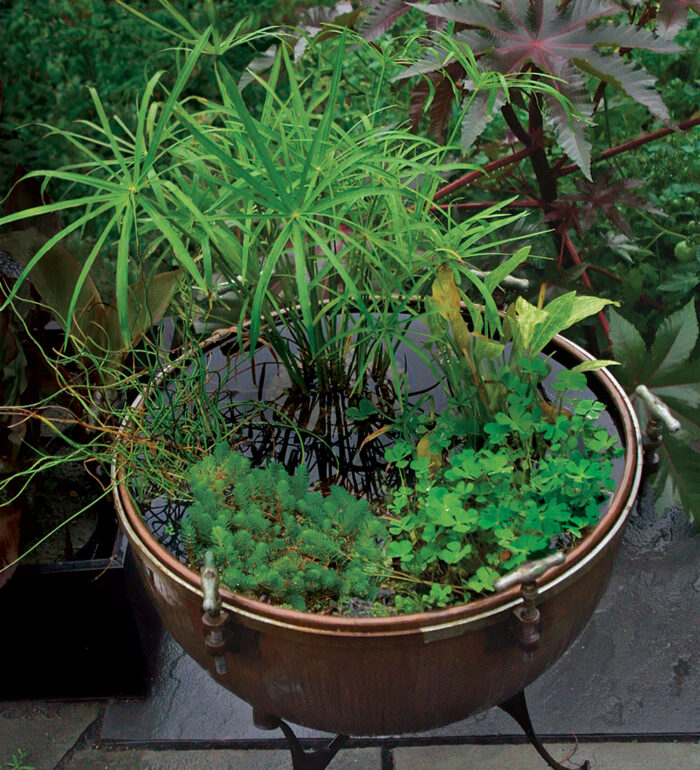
(637,236)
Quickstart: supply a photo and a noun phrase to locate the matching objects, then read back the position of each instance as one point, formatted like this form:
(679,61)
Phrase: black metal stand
(516,707)
(301,760)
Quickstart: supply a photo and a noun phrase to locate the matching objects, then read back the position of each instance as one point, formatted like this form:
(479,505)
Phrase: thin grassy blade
(173,239)
(256,138)
(125,129)
(168,107)
(300,274)
(48,207)
(271,92)
(107,130)
(152,21)
(236,169)
(88,180)
(205,246)
(261,289)
(340,268)
(76,139)
(323,131)
(141,120)
(122,274)
(202,220)
(506,268)
(182,20)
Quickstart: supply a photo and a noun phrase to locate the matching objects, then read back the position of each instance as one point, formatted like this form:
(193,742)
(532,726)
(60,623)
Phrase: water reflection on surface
(314,430)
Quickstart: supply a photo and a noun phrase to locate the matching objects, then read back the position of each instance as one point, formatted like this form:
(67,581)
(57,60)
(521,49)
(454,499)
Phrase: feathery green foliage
(272,536)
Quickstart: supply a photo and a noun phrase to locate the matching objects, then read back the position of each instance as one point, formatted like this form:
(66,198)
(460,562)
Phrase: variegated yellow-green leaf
(595,365)
(448,302)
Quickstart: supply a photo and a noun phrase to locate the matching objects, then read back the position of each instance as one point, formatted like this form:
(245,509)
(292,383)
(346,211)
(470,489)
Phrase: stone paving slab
(634,670)
(349,759)
(44,731)
(602,756)
(174,711)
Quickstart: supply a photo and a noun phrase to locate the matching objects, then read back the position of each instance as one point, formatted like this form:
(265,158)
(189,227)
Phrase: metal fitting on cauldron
(213,619)
(527,614)
(659,417)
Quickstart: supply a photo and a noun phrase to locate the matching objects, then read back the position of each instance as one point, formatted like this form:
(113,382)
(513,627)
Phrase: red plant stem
(566,240)
(632,143)
(527,203)
(463,181)
(514,124)
(546,180)
(643,297)
(598,94)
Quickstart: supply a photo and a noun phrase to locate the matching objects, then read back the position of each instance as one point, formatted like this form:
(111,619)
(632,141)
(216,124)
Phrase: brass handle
(658,410)
(528,572)
(213,620)
(527,615)
(210,585)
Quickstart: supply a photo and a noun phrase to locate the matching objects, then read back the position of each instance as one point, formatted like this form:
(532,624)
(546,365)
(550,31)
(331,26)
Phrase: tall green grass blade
(300,274)
(253,133)
(107,130)
(261,289)
(169,106)
(322,133)
(141,139)
(181,253)
(152,22)
(235,168)
(122,274)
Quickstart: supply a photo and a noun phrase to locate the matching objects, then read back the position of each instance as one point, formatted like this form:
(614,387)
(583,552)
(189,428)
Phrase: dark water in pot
(351,452)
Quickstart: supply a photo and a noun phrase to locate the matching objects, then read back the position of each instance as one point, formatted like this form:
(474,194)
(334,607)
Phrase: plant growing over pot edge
(93,358)
(341,224)
(482,488)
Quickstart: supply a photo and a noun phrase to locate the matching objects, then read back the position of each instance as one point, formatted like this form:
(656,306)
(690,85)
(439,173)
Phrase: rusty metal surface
(376,676)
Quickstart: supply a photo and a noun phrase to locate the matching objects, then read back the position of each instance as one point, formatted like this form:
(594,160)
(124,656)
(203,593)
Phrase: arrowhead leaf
(148,299)
(55,277)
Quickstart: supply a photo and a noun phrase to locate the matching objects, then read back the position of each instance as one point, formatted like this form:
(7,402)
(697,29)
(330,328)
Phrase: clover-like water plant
(475,504)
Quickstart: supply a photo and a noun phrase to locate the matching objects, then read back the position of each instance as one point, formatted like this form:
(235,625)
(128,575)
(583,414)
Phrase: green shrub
(54,49)
(475,505)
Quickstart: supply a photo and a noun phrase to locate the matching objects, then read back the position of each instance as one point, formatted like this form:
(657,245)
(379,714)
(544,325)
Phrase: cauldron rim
(432,623)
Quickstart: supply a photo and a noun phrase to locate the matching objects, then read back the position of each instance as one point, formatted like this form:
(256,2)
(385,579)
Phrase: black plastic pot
(78,629)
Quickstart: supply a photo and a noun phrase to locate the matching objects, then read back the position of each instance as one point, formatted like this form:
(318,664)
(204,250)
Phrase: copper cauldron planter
(391,675)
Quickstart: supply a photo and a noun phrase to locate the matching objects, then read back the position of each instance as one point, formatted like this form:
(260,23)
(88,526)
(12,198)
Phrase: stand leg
(302,760)
(516,707)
